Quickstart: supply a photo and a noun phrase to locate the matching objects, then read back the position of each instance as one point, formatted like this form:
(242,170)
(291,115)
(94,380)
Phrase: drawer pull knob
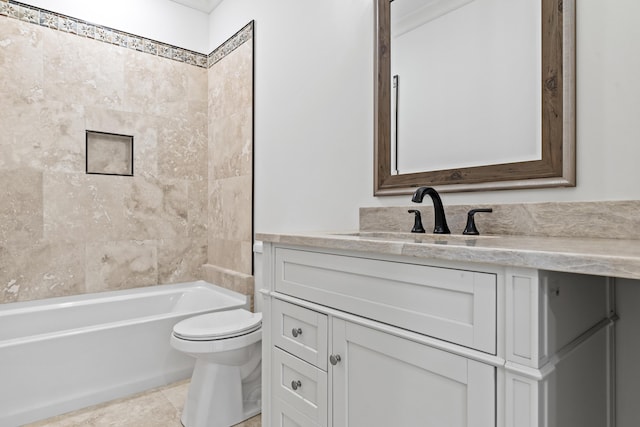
(295,332)
(296,384)
(334,359)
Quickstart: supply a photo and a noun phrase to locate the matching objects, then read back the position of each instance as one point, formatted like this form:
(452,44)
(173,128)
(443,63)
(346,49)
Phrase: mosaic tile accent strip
(57,21)
(235,41)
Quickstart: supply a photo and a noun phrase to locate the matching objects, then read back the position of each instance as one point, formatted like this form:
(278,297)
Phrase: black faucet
(440,226)
(417,222)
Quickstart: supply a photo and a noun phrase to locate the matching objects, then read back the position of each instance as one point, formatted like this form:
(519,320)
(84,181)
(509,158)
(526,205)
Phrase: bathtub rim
(120,294)
(33,306)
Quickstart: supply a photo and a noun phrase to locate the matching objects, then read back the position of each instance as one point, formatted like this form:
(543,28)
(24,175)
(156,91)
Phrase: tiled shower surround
(231,165)
(65,232)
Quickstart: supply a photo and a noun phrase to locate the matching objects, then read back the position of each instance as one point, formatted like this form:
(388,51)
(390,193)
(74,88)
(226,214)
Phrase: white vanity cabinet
(363,340)
(377,377)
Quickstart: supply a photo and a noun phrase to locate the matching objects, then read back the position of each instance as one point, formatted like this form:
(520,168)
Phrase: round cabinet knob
(334,359)
(296,384)
(295,332)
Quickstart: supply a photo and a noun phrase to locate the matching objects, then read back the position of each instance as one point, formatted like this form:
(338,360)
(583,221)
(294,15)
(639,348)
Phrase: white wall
(314,110)
(160,20)
(313,114)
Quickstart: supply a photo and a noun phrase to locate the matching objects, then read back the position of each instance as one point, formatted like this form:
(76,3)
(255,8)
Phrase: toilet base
(223,395)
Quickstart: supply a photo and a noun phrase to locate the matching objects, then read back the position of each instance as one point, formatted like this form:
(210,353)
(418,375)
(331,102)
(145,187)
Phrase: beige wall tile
(21,217)
(231,83)
(21,58)
(230,204)
(156,208)
(121,265)
(67,207)
(20,140)
(189,161)
(106,216)
(82,71)
(46,135)
(163,88)
(233,255)
(197,214)
(171,98)
(197,85)
(41,270)
(181,259)
(142,83)
(61,132)
(231,145)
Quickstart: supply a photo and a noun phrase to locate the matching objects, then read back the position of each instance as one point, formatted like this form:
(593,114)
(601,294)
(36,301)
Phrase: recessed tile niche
(109,153)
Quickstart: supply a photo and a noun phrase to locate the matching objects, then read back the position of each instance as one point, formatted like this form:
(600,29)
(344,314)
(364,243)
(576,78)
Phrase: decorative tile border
(234,42)
(56,21)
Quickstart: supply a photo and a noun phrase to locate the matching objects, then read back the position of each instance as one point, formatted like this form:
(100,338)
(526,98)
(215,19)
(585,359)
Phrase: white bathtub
(62,354)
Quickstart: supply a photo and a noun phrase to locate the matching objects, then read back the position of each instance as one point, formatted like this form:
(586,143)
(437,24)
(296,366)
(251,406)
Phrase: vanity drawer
(454,305)
(300,386)
(301,332)
(285,415)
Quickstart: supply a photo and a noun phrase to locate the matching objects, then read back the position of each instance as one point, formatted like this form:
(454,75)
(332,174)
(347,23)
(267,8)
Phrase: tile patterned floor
(160,407)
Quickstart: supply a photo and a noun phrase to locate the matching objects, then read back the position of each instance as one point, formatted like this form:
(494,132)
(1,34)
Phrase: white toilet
(225,386)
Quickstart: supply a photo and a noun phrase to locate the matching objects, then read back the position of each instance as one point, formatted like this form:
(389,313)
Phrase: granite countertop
(597,256)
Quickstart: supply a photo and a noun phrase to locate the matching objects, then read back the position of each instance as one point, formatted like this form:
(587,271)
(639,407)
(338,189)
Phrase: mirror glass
(474,95)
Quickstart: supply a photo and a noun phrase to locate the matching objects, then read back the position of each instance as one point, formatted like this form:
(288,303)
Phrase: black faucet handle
(470,228)
(417,223)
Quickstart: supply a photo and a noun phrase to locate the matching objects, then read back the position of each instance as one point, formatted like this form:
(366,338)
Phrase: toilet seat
(218,326)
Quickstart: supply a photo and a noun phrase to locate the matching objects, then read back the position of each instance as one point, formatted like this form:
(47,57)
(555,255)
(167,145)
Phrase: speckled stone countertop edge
(602,257)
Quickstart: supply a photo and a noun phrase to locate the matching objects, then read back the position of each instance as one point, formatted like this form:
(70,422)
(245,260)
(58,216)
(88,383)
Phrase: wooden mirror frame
(557,166)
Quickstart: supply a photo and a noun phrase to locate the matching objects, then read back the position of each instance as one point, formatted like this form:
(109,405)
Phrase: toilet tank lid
(221,324)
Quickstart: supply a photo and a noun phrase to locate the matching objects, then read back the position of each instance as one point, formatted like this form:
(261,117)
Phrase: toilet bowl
(225,387)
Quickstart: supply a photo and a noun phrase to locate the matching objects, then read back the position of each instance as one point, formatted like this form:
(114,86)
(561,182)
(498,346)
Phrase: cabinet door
(383,380)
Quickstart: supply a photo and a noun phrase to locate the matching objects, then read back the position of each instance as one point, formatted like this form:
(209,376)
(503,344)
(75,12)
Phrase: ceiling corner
(205,6)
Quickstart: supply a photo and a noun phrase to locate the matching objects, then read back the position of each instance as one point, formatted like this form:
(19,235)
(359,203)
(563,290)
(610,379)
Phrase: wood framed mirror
(554,165)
